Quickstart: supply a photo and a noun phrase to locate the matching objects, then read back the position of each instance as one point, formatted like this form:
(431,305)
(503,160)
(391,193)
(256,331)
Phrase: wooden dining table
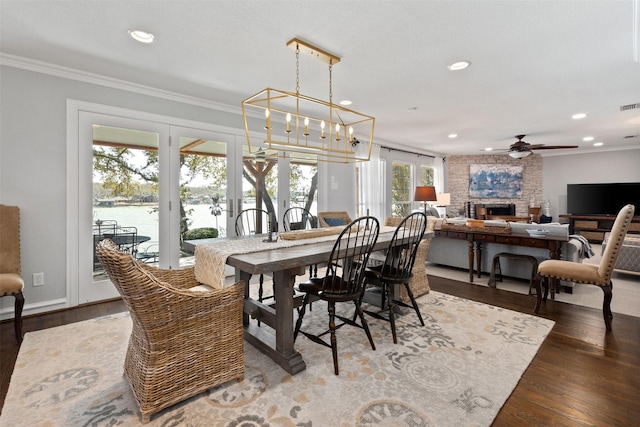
(284,264)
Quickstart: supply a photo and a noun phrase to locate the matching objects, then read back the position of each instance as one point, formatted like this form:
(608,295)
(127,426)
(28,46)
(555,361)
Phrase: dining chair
(250,222)
(397,270)
(297,218)
(333,219)
(186,337)
(534,214)
(11,282)
(343,282)
(481,213)
(598,275)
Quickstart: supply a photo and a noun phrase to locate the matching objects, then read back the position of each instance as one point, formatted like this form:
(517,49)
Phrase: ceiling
(533,63)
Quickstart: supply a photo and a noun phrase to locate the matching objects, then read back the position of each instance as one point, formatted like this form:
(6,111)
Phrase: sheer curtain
(372,184)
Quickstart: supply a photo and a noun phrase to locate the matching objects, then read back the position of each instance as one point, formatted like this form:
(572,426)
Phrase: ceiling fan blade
(550,147)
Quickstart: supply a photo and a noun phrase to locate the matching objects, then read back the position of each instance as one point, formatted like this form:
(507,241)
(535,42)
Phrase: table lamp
(425,193)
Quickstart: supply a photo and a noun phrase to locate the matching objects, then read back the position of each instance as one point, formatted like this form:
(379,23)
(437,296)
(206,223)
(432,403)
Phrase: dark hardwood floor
(581,376)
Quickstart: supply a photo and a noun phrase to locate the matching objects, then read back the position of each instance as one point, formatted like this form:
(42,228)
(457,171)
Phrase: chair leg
(390,308)
(414,303)
(334,341)
(300,316)
(365,325)
(17,320)
(606,305)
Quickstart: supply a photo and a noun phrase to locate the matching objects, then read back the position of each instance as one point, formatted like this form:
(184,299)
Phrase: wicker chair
(397,269)
(333,219)
(186,337)
(419,283)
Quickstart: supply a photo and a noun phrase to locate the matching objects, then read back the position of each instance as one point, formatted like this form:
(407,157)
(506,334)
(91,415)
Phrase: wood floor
(581,376)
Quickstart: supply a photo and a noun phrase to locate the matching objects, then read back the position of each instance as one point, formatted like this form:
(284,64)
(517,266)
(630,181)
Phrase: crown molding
(97,79)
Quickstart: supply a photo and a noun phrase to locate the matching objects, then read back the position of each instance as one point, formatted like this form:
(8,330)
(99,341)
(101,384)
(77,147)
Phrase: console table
(477,238)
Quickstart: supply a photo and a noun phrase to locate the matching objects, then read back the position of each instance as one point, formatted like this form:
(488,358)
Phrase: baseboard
(34,308)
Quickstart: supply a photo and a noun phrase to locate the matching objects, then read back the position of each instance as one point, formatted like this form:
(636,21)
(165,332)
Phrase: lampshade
(425,193)
(444,199)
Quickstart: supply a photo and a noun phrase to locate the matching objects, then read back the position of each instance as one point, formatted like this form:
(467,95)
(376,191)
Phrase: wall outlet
(38,279)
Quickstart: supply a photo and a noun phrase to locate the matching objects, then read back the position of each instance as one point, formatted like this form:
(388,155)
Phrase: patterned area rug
(458,370)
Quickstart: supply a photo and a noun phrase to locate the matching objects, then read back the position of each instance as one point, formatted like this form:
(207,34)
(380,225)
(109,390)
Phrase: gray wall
(33,162)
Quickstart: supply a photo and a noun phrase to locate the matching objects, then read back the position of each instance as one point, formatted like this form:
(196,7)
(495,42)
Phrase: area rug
(458,370)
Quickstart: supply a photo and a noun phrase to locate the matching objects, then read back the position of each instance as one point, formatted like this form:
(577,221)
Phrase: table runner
(211,258)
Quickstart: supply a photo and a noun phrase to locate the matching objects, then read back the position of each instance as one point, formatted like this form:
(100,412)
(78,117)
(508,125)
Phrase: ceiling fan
(520,148)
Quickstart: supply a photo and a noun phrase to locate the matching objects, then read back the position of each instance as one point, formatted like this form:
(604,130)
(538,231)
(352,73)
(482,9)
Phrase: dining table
(283,262)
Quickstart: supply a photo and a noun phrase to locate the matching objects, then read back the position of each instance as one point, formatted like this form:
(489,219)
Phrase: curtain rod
(408,152)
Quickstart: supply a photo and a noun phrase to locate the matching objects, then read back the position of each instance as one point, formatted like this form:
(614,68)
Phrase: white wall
(596,167)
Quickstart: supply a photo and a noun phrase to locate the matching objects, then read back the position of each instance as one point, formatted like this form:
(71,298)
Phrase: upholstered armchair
(11,282)
(186,337)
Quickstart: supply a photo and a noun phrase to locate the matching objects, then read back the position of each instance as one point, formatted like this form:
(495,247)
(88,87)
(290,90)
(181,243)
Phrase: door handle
(230,210)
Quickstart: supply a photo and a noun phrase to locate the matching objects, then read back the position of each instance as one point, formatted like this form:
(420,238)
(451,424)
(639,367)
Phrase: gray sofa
(629,256)
(454,253)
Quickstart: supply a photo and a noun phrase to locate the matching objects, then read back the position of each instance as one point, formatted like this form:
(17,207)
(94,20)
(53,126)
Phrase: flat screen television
(602,199)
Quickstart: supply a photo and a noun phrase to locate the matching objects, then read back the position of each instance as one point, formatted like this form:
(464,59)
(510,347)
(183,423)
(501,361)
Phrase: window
(401,186)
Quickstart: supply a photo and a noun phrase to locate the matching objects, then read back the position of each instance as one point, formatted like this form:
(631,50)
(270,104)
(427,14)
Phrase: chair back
(9,239)
(348,259)
(254,221)
(481,213)
(298,218)
(534,214)
(616,238)
(333,219)
(401,254)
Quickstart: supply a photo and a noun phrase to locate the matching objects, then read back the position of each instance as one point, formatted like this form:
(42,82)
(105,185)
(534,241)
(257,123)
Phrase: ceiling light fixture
(598,144)
(488,149)
(453,135)
(297,123)
(519,154)
(588,138)
(457,66)
(142,36)
(346,102)
(578,116)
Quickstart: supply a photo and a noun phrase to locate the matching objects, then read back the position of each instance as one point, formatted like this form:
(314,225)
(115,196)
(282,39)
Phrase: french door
(144,184)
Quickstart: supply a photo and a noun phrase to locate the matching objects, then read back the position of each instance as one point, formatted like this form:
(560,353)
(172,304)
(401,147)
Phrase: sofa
(629,256)
(454,253)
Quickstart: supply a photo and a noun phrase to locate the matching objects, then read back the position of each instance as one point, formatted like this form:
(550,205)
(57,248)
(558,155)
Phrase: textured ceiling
(534,63)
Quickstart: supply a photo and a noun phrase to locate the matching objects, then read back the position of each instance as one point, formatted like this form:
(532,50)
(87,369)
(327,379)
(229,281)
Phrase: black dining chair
(297,218)
(343,282)
(396,270)
(250,222)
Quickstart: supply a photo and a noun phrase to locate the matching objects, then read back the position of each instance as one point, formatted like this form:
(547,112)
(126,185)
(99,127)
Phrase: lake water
(145,219)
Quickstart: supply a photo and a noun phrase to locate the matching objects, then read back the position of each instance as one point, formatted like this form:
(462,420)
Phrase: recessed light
(588,138)
(598,144)
(412,109)
(488,149)
(453,135)
(142,36)
(346,102)
(578,116)
(457,66)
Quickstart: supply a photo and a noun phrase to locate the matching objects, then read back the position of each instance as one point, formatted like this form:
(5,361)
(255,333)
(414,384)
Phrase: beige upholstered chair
(11,282)
(333,219)
(186,337)
(599,275)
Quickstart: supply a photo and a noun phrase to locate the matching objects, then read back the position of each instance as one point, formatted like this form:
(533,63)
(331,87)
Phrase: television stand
(593,227)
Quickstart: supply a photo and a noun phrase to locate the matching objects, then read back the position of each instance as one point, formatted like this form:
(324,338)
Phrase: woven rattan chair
(598,275)
(343,281)
(419,283)
(186,337)
(397,269)
(333,219)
